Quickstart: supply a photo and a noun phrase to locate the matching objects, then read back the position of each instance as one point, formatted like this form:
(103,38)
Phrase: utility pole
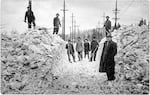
(74,30)
(103,31)
(64,12)
(103,18)
(72,25)
(30,4)
(116,11)
(70,33)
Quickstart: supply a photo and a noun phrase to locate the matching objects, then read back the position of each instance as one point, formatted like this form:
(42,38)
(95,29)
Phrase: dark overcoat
(94,45)
(107,25)
(86,47)
(107,57)
(70,48)
(29,16)
(56,22)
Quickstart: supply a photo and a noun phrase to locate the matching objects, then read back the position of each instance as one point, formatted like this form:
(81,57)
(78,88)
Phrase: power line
(116,11)
(127,8)
(64,20)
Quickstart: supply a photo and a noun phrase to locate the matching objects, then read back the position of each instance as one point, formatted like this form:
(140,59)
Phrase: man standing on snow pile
(56,23)
(30,17)
(70,51)
(141,22)
(107,25)
(107,63)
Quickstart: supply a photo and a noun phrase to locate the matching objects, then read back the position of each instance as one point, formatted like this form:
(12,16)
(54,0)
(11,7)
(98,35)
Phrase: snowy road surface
(80,75)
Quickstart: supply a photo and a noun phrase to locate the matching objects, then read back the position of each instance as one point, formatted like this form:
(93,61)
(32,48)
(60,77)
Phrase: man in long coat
(107,63)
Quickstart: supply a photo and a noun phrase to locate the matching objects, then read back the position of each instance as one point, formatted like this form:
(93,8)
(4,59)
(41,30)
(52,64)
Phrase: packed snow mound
(28,60)
(133,53)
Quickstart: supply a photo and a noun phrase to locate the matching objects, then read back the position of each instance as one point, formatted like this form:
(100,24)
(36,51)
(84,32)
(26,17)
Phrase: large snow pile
(28,60)
(133,56)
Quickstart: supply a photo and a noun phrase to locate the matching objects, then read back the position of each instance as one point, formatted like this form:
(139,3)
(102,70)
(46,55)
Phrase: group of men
(81,47)
(142,22)
(107,62)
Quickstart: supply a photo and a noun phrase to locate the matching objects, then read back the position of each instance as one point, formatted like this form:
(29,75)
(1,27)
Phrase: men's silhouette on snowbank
(56,23)
(29,16)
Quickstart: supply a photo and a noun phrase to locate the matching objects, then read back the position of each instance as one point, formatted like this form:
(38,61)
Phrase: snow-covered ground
(37,62)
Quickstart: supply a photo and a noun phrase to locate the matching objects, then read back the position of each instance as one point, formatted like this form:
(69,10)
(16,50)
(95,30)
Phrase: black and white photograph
(74,47)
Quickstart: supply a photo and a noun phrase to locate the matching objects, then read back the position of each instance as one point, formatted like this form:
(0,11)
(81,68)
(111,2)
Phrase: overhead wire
(127,8)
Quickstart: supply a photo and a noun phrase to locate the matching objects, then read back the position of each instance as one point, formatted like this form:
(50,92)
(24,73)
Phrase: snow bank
(133,53)
(27,61)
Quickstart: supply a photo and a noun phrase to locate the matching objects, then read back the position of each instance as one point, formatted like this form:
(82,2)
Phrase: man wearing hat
(30,17)
(70,51)
(107,25)
(56,23)
(94,49)
(107,63)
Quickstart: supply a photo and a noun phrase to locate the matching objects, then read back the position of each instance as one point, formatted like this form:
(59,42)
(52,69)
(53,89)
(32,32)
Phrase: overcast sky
(87,12)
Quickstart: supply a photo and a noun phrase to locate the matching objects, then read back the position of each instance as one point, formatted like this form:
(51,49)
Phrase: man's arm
(33,16)
(25,17)
(59,23)
(115,49)
(54,21)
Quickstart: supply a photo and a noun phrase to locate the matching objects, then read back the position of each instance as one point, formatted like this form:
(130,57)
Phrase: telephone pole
(30,4)
(116,11)
(70,33)
(74,30)
(103,18)
(72,25)
(64,20)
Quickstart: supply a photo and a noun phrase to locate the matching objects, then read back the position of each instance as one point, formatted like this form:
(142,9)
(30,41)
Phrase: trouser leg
(110,73)
(69,57)
(29,25)
(84,54)
(107,32)
(88,55)
(54,30)
(57,29)
(95,55)
(79,56)
(34,24)
(73,57)
(91,56)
